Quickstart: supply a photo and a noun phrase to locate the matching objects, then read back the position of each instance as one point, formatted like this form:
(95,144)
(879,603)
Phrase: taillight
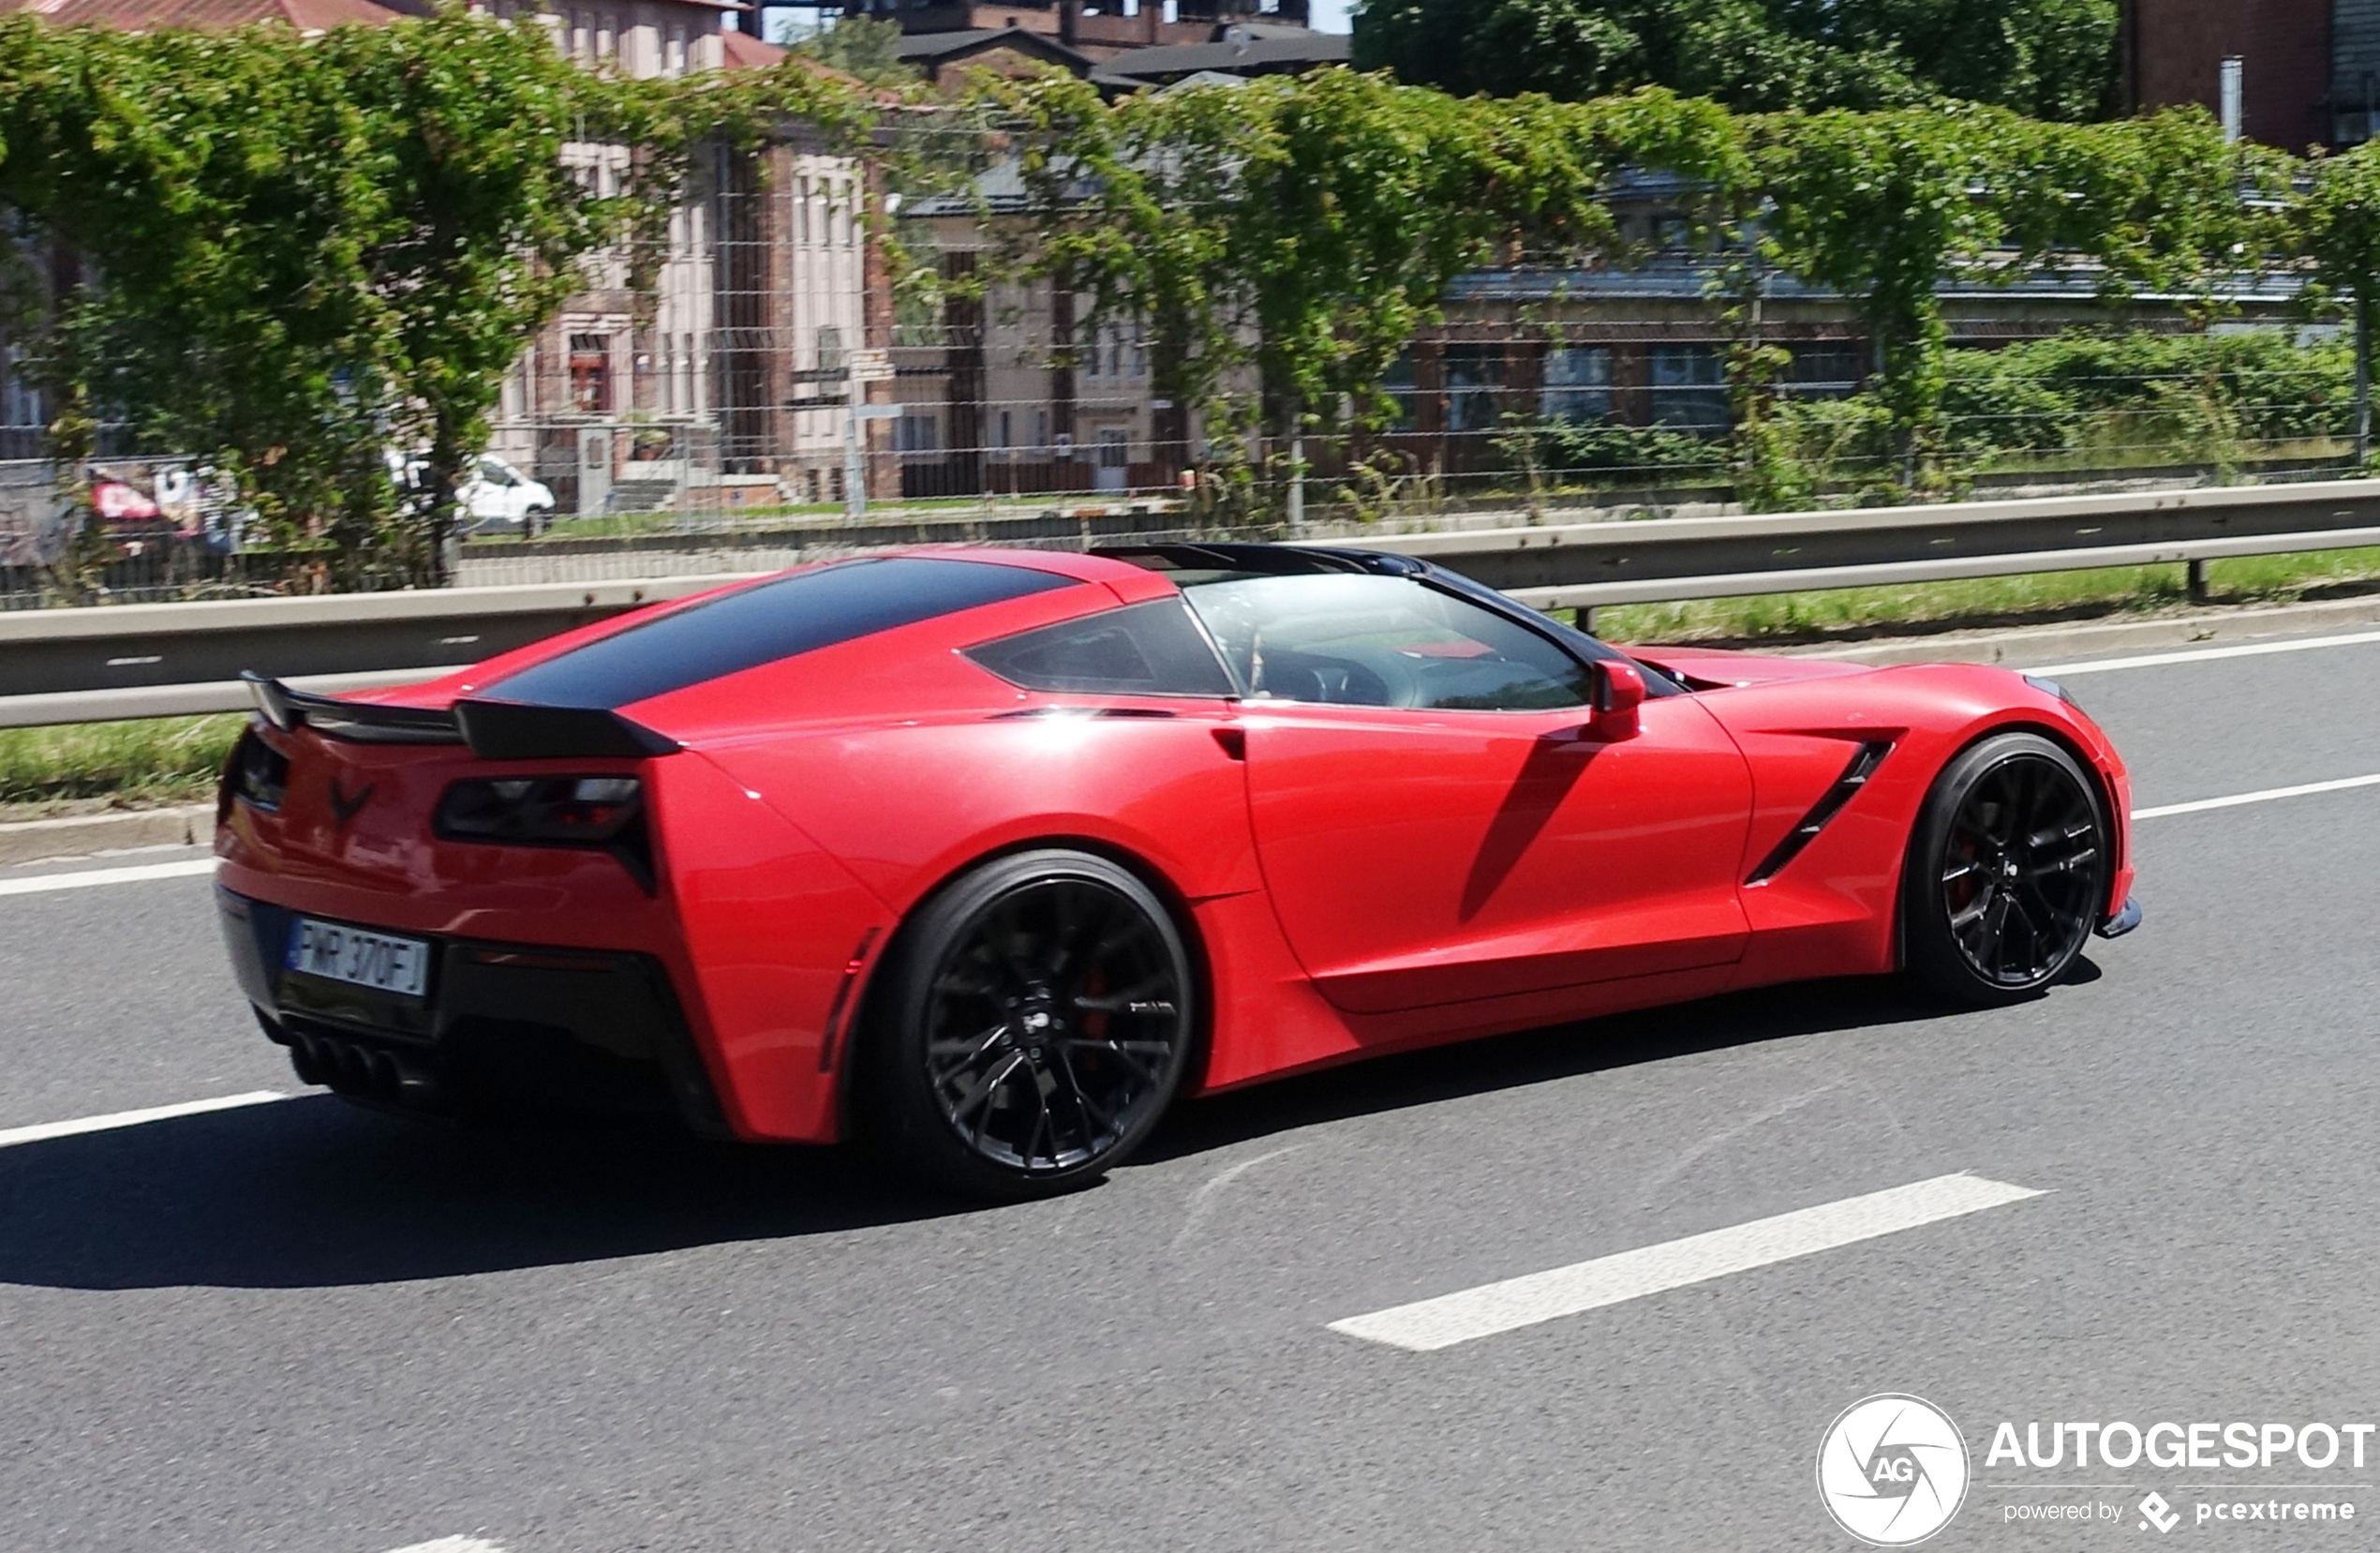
(256,774)
(607,812)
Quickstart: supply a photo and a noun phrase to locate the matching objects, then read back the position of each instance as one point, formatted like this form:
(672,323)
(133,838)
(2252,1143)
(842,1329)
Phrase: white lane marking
(42,883)
(43,1131)
(2194,655)
(453,1544)
(1482,1312)
(2267,796)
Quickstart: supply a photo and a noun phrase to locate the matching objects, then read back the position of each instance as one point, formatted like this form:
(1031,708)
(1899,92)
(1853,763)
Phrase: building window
(1041,429)
(1396,386)
(830,348)
(22,402)
(1688,387)
(916,434)
(591,374)
(1474,387)
(582,36)
(674,59)
(606,38)
(1004,439)
(1829,369)
(801,211)
(1578,383)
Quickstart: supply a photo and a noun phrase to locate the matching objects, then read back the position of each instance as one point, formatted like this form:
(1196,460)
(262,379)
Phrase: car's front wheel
(2007,871)
(1036,1019)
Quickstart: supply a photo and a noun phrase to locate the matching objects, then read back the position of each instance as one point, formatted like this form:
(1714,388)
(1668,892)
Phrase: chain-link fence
(768,400)
(1007,436)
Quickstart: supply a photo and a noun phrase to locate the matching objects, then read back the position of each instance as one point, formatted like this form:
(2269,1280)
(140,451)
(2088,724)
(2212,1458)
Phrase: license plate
(361,959)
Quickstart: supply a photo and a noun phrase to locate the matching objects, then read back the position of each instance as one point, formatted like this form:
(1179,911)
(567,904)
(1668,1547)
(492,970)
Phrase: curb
(2024,646)
(83,835)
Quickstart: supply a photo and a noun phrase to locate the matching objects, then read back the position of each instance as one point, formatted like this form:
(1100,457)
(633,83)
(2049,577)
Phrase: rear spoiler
(493,730)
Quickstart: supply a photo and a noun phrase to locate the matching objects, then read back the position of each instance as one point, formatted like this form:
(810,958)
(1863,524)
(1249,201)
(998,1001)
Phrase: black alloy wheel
(2007,872)
(1037,1023)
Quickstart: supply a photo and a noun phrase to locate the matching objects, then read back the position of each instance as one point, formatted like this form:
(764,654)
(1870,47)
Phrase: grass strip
(2039,598)
(149,761)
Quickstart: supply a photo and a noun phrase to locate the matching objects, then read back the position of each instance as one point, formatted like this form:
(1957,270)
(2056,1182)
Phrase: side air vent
(1830,803)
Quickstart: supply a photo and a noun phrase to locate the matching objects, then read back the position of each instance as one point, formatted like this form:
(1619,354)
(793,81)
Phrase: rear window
(766,622)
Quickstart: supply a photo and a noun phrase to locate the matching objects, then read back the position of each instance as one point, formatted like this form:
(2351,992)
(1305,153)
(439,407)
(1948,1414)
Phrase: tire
(1036,1023)
(2007,872)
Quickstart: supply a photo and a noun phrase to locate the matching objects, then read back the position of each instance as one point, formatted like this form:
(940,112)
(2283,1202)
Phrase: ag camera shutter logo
(1892,1470)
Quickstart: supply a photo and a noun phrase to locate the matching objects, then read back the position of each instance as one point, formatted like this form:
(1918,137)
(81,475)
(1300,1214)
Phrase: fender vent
(1830,803)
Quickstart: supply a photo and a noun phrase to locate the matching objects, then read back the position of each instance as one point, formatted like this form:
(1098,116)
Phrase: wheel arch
(2016,722)
(866,1001)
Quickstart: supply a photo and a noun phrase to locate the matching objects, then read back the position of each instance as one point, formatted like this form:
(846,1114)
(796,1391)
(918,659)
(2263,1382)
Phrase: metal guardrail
(166,660)
(1586,565)
(61,665)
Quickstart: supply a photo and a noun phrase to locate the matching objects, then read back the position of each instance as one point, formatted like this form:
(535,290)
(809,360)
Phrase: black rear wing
(493,730)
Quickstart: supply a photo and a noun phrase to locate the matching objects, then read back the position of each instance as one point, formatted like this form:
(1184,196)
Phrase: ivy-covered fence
(294,254)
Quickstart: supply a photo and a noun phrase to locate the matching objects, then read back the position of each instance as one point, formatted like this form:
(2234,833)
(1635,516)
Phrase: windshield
(1356,640)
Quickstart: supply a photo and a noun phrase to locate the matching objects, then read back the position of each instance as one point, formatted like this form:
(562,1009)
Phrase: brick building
(2311,69)
(674,395)
(1098,28)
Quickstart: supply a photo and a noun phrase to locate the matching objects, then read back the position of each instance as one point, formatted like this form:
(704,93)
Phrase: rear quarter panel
(900,763)
(905,760)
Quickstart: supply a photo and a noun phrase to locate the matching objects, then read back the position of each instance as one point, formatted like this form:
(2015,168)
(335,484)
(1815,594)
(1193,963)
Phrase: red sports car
(986,856)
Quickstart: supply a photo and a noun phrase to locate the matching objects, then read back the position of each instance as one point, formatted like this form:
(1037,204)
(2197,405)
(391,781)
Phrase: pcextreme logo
(1892,1470)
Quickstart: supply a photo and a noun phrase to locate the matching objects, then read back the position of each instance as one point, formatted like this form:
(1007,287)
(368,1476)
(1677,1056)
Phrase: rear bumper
(585,1030)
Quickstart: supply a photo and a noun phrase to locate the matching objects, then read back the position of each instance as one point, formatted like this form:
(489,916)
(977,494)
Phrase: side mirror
(1619,690)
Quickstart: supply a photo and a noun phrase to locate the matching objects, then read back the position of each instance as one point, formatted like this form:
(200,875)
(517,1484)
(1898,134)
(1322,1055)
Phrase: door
(1438,818)
(594,471)
(1114,456)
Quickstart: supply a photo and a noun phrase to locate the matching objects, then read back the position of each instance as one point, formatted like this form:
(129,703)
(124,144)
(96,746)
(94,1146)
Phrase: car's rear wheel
(1037,1021)
(2007,871)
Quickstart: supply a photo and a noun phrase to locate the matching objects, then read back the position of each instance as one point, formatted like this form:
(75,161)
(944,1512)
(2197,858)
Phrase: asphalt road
(297,1325)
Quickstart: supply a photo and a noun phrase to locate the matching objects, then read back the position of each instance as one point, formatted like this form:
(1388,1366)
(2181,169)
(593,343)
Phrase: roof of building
(1285,49)
(1180,83)
(741,51)
(931,49)
(135,16)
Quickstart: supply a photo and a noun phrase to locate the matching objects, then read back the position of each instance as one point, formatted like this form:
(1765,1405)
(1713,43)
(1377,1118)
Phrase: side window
(1141,649)
(1374,641)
